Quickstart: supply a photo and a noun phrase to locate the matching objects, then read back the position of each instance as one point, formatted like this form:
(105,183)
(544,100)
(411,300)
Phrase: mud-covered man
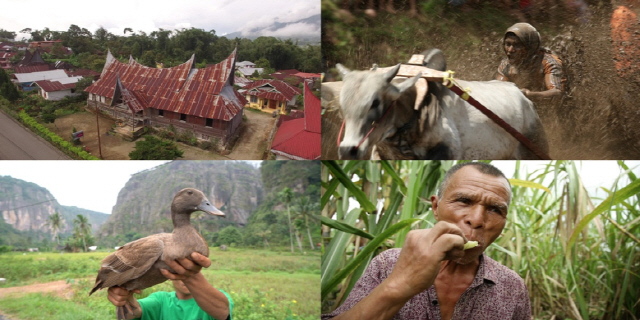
(533,68)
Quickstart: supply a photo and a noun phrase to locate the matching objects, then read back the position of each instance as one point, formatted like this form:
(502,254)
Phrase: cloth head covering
(529,37)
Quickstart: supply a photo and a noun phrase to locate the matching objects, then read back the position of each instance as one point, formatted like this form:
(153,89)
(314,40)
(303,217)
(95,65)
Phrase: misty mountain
(306,31)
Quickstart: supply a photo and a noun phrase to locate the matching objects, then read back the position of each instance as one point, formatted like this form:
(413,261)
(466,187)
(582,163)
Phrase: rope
(450,83)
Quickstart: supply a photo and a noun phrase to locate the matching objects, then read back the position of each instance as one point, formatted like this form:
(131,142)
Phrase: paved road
(19,143)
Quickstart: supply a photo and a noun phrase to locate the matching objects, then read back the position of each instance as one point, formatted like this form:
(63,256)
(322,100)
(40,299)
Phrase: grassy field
(262,284)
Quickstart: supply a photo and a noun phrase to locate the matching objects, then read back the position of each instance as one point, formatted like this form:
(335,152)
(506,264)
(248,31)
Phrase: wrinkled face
(515,49)
(477,203)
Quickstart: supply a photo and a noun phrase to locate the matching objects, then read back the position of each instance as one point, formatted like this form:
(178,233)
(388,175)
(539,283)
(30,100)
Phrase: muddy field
(250,145)
(599,47)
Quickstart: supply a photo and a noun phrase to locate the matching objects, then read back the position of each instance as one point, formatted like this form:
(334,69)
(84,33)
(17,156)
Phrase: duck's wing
(130,261)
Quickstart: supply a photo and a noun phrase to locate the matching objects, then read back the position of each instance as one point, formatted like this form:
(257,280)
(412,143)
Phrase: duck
(137,264)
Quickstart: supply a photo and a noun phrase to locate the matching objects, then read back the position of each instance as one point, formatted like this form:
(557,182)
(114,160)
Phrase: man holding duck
(194,298)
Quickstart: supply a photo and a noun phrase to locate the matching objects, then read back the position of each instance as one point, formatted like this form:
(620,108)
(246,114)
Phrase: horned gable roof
(272,89)
(206,92)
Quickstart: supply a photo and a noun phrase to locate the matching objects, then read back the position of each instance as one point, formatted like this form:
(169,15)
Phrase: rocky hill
(26,207)
(143,205)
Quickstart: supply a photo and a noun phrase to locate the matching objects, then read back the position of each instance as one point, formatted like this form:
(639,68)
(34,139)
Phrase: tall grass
(579,255)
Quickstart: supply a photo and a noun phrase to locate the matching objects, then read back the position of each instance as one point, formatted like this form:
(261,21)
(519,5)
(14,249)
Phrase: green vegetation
(577,254)
(151,148)
(7,89)
(262,284)
(64,145)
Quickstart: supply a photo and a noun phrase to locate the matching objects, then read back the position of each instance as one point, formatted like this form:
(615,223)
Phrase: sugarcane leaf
(344,227)
(528,184)
(329,285)
(631,189)
(347,183)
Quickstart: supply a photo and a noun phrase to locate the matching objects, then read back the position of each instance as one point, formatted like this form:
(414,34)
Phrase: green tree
(286,195)
(5,34)
(55,222)
(229,235)
(83,84)
(82,229)
(153,148)
(7,89)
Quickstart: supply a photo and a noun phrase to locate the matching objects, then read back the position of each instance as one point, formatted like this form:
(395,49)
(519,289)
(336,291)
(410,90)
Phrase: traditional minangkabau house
(202,101)
(299,139)
(271,95)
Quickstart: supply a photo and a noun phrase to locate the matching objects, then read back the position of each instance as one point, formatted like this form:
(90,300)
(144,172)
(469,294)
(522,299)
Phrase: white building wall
(59,95)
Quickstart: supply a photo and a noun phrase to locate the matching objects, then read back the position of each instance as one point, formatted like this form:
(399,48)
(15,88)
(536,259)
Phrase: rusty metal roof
(51,86)
(272,90)
(32,68)
(206,92)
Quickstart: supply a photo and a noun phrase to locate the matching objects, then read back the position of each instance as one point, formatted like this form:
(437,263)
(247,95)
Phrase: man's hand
(121,297)
(526,92)
(419,260)
(185,268)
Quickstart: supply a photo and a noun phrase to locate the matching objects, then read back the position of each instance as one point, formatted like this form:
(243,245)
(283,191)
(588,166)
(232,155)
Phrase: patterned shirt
(547,77)
(496,292)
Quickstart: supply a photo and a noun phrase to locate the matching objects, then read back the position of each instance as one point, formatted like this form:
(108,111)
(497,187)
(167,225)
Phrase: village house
(5,59)
(299,139)
(294,77)
(201,101)
(26,81)
(271,95)
(57,89)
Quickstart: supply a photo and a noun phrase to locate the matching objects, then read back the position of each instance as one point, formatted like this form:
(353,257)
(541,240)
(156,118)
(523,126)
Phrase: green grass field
(262,284)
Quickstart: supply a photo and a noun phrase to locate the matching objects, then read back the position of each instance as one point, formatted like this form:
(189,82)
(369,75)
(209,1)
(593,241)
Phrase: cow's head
(364,99)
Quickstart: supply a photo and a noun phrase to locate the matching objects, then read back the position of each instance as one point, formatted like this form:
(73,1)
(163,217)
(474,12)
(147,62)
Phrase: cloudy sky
(223,16)
(92,185)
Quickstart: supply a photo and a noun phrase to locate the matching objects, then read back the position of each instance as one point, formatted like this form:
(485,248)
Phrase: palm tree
(82,229)
(285,197)
(305,207)
(55,222)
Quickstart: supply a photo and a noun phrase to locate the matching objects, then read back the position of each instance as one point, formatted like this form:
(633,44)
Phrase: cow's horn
(391,73)
(342,69)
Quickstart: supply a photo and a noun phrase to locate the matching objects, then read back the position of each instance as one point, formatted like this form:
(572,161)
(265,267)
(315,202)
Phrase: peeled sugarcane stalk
(470,244)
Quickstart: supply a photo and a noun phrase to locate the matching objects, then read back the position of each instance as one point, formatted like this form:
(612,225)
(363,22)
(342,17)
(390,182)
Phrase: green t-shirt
(164,305)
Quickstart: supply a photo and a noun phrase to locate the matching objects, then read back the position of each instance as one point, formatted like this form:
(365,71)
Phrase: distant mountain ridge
(26,207)
(276,29)
(144,204)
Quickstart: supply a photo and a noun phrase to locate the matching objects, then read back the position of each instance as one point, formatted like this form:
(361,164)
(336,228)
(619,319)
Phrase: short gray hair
(483,167)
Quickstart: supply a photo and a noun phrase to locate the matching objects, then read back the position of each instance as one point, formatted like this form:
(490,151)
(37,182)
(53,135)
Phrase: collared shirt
(496,292)
(548,76)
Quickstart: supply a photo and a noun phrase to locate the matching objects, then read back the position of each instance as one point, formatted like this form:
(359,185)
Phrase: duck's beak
(207,207)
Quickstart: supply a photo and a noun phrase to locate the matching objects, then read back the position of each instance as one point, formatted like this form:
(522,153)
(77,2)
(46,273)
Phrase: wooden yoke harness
(414,67)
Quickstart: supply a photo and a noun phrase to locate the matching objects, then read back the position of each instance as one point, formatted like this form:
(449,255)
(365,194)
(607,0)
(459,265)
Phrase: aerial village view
(226,81)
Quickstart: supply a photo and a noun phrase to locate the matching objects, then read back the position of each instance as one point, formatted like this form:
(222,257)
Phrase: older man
(432,277)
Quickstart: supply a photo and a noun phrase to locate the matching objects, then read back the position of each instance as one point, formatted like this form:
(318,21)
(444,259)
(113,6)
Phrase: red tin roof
(272,90)
(32,68)
(312,110)
(206,93)
(51,86)
(300,138)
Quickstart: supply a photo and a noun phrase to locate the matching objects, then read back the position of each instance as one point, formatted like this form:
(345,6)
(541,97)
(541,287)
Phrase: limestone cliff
(25,206)
(144,204)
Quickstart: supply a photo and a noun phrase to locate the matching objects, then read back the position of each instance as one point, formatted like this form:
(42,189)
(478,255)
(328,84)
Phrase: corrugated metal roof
(51,86)
(32,68)
(206,93)
(312,111)
(42,75)
(292,139)
(272,89)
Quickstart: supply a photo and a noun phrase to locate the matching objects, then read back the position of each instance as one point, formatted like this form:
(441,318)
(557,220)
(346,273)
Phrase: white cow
(381,122)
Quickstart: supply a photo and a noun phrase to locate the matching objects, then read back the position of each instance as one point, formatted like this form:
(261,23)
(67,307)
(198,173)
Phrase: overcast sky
(223,16)
(92,185)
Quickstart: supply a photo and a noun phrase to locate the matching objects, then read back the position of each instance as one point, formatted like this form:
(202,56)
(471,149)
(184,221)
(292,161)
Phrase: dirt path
(253,139)
(250,146)
(61,287)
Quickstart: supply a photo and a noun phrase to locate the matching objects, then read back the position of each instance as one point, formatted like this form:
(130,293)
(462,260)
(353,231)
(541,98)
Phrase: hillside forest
(173,47)
(263,209)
